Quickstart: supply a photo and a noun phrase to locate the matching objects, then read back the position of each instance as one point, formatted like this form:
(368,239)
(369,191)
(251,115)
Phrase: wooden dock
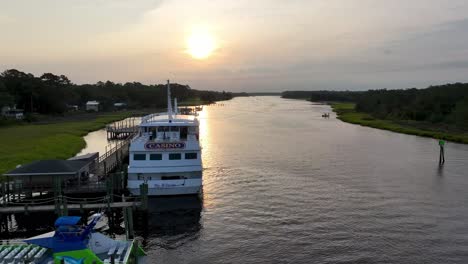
(109,178)
(113,157)
(49,208)
(123,129)
(61,204)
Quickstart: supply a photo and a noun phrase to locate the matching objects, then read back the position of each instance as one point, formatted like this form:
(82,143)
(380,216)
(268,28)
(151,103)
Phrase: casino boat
(166,153)
(72,243)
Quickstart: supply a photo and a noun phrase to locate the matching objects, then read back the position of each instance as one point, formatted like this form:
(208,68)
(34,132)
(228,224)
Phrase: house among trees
(120,106)
(12,112)
(72,107)
(51,94)
(92,106)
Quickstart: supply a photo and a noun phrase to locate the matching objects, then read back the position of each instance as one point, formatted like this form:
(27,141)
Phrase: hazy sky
(262,45)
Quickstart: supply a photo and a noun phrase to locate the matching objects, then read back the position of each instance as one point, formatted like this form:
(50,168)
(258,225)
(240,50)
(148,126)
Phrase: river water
(284,185)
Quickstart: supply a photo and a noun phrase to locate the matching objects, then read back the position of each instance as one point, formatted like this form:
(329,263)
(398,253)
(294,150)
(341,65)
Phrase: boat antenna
(175,106)
(169,105)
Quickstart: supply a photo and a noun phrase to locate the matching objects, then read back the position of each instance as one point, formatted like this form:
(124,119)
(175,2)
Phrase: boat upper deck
(163,119)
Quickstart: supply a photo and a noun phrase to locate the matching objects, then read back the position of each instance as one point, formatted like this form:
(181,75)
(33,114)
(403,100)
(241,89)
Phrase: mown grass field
(21,144)
(347,113)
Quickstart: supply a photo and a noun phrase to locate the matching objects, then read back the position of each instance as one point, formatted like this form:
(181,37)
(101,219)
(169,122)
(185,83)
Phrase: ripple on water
(283,185)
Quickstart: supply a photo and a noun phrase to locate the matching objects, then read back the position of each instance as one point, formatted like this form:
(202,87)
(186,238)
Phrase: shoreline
(346,113)
(58,137)
(25,143)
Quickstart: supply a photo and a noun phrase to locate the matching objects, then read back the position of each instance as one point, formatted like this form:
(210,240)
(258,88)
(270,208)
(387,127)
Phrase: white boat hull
(167,187)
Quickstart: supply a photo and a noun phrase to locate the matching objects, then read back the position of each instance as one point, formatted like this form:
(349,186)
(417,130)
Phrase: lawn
(347,113)
(20,144)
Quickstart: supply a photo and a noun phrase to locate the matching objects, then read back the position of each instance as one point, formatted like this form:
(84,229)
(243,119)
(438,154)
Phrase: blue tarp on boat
(67,221)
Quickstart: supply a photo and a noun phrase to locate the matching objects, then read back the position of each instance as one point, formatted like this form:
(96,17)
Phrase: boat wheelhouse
(166,154)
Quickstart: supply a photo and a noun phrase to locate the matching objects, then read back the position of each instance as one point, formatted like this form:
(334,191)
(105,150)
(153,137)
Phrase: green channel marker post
(442,151)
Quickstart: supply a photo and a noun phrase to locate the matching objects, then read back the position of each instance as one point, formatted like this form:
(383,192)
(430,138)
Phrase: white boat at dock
(166,154)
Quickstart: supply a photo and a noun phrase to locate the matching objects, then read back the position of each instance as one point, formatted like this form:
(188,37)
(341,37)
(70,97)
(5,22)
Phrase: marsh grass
(21,144)
(193,102)
(347,113)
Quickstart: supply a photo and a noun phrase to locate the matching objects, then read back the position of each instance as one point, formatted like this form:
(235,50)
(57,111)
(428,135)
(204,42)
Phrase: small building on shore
(72,108)
(92,106)
(13,113)
(43,175)
(91,158)
(120,106)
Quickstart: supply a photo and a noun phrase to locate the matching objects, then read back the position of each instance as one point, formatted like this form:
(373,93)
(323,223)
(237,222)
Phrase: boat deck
(23,253)
(19,252)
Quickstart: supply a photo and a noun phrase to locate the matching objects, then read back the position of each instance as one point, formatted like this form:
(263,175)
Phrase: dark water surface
(283,185)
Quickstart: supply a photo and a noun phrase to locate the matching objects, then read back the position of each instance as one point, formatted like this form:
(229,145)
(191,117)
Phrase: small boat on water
(166,153)
(72,243)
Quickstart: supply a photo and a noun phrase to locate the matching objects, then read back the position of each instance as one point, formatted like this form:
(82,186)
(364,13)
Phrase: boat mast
(175,107)
(169,105)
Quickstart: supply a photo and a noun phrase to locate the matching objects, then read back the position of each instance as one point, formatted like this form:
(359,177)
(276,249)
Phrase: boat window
(191,155)
(170,178)
(162,129)
(139,156)
(183,132)
(155,156)
(175,156)
(174,129)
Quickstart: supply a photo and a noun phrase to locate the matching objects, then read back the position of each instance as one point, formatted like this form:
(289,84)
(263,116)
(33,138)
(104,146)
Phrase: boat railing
(113,149)
(150,117)
(147,137)
(147,118)
(14,242)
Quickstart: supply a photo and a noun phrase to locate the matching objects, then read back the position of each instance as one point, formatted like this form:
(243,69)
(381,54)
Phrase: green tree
(6,99)
(461,113)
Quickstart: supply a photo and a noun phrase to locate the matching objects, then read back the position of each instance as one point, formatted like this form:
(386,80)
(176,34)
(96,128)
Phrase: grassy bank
(193,102)
(21,144)
(347,113)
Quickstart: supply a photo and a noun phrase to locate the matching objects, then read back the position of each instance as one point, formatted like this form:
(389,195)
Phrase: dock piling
(128,221)
(144,196)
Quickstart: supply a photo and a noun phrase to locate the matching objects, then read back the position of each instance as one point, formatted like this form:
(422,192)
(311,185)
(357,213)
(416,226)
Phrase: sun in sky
(201,44)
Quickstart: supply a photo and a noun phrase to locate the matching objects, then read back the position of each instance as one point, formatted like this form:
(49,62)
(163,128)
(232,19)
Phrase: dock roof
(49,167)
(89,156)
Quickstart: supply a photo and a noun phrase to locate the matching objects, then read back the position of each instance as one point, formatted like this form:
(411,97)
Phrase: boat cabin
(159,128)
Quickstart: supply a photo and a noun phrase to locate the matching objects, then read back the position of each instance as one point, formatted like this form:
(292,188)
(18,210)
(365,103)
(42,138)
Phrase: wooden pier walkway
(113,157)
(109,178)
(61,204)
(123,129)
(48,208)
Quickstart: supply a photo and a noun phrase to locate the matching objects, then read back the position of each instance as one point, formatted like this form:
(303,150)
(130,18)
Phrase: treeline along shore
(55,94)
(60,130)
(437,111)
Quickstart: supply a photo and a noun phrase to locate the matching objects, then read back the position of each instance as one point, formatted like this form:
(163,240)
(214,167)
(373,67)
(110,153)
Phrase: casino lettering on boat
(166,153)
(154,145)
